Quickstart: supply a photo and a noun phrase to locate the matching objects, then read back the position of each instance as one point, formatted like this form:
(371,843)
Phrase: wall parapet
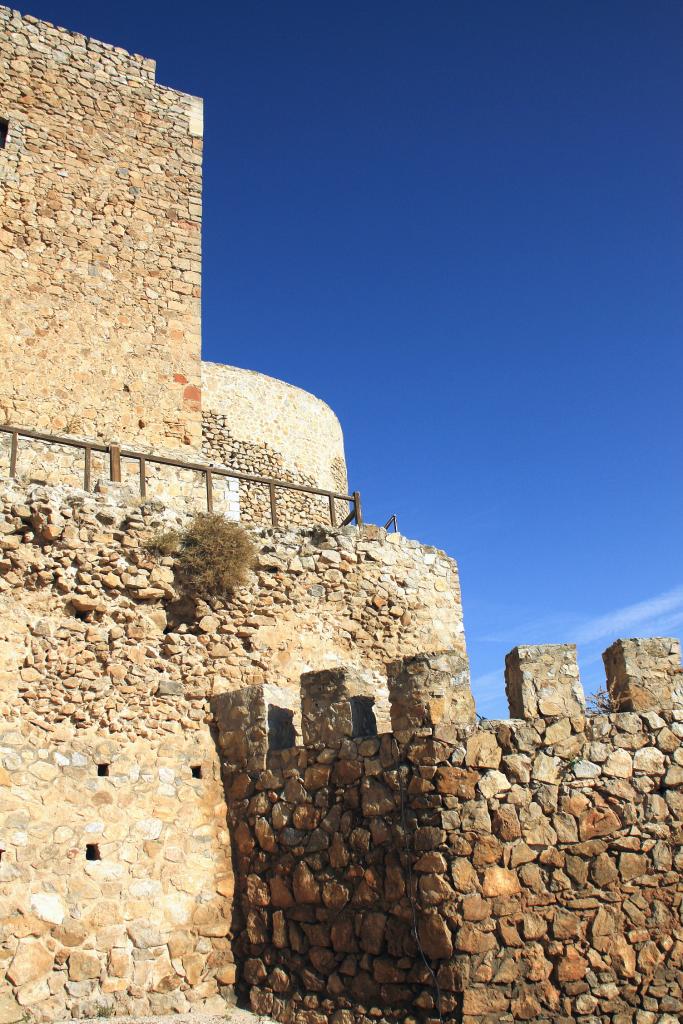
(429,695)
(524,869)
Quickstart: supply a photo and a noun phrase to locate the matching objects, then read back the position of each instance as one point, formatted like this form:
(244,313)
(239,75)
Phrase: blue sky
(459,222)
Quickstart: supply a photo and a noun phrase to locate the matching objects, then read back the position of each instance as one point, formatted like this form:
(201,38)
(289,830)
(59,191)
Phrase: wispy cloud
(654,614)
(529,628)
(660,615)
(663,611)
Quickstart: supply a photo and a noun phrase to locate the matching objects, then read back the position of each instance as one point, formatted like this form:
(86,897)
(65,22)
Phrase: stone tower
(100,188)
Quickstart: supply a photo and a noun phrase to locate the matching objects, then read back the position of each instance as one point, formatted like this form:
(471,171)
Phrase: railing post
(333,512)
(13,453)
(87,467)
(273,504)
(209,491)
(357,508)
(143,478)
(115,463)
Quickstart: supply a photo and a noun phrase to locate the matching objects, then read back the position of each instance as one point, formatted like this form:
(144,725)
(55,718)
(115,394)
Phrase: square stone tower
(100,235)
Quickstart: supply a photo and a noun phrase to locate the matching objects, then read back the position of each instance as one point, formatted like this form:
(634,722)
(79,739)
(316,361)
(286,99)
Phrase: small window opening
(363,721)
(1,853)
(4,130)
(196,771)
(281,731)
(103,770)
(92,852)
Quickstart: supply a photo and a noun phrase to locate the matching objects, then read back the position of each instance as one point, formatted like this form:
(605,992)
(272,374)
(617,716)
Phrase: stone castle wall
(117,887)
(100,270)
(522,870)
(100,187)
(101,662)
(516,870)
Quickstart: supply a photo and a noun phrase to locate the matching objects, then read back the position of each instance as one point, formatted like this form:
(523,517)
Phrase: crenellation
(242,721)
(644,674)
(430,694)
(507,842)
(342,703)
(543,681)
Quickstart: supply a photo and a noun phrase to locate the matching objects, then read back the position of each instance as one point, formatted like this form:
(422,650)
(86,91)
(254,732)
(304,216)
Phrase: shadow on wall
(472,873)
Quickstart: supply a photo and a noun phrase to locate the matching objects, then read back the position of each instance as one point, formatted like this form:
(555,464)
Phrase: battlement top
(428,697)
(42,33)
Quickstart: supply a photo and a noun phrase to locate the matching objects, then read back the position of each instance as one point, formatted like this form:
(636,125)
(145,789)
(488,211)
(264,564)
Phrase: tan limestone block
(572,966)
(483,751)
(598,821)
(33,992)
(10,1011)
(193,965)
(484,999)
(435,936)
(111,985)
(31,961)
(83,965)
(306,889)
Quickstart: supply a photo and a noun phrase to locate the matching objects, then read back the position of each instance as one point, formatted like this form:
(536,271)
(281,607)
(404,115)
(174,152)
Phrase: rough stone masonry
(116,873)
(522,870)
(100,256)
(286,793)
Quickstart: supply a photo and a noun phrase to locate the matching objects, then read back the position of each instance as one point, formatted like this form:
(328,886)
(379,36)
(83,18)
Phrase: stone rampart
(317,598)
(522,870)
(115,889)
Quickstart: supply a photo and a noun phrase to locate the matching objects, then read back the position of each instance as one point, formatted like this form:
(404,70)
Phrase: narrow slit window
(92,852)
(103,770)
(4,131)
(196,771)
(281,731)
(363,721)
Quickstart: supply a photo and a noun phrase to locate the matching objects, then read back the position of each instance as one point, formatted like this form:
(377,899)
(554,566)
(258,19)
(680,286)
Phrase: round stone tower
(256,424)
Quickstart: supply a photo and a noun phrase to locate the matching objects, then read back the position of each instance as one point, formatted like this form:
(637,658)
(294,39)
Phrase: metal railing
(116,453)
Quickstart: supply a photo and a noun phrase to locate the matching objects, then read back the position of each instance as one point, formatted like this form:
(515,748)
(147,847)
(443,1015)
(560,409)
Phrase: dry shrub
(601,703)
(164,543)
(214,556)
